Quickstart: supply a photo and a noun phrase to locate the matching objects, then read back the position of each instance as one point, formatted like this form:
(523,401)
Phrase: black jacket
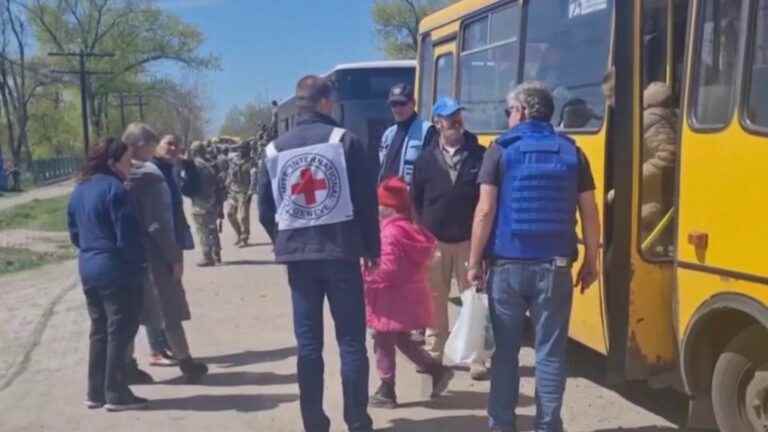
(446,209)
(350,240)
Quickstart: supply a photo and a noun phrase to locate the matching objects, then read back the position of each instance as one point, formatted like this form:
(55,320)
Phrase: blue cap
(446,107)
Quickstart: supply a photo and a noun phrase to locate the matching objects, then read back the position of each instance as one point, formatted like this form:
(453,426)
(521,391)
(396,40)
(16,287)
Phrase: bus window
(489,63)
(714,82)
(367,84)
(426,71)
(567,49)
(757,106)
(655,30)
(444,76)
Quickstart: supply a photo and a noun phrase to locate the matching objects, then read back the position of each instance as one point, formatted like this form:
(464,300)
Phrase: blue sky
(266,45)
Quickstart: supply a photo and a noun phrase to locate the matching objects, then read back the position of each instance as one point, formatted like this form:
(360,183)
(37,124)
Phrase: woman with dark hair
(103,226)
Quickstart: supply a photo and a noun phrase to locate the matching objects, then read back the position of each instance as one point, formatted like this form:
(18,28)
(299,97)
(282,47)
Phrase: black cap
(400,93)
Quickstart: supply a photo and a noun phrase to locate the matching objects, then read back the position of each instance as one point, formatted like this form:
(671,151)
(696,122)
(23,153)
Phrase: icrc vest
(538,194)
(412,147)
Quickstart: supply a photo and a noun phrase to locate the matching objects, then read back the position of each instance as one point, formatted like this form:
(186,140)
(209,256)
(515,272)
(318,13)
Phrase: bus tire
(733,372)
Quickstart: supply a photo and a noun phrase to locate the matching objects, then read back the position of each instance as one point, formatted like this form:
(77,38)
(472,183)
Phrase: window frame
(470,19)
(693,81)
(522,41)
(426,40)
(748,55)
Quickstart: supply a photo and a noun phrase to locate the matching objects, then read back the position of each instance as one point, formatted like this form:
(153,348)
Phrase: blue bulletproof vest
(538,194)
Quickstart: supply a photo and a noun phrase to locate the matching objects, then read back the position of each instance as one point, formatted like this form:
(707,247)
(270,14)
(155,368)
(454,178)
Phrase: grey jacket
(349,240)
(152,199)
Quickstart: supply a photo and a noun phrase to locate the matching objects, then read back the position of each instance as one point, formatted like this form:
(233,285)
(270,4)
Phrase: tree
(244,122)
(136,31)
(179,108)
(20,78)
(397,24)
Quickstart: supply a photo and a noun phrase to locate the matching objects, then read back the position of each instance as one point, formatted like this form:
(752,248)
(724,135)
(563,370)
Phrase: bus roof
(452,13)
(384,64)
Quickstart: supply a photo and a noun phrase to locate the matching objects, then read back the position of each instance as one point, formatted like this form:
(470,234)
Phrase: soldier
(204,206)
(239,190)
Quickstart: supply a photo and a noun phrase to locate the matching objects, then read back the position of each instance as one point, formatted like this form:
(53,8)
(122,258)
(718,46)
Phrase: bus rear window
(361,84)
(757,105)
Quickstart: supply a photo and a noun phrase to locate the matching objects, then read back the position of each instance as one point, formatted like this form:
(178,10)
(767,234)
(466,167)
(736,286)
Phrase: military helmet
(198,149)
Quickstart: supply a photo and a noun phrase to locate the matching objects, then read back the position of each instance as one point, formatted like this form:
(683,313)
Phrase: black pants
(114,312)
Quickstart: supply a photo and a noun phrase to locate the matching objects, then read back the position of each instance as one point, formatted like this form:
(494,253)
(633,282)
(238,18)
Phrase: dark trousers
(341,282)
(114,313)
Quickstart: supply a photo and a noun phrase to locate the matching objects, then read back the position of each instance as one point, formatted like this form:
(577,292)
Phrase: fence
(45,171)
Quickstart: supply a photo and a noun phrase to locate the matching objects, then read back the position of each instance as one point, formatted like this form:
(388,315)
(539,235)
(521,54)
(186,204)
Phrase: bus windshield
(566,47)
(374,83)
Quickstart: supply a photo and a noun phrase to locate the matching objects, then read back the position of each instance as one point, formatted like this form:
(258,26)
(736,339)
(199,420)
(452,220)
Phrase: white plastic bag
(471,339)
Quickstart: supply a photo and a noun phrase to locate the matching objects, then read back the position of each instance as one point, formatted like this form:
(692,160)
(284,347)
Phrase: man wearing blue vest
(404,141)
(532,183)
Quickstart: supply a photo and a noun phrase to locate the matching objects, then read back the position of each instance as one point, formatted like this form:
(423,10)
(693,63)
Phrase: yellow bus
(684,291)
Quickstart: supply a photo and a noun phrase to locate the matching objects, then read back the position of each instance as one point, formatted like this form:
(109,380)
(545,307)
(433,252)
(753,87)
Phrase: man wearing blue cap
(445,193)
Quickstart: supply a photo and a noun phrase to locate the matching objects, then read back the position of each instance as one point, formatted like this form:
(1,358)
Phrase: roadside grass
(19,259)
(37,215)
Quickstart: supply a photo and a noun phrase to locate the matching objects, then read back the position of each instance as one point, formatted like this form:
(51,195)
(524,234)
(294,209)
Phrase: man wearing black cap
(317,201)
(403,142)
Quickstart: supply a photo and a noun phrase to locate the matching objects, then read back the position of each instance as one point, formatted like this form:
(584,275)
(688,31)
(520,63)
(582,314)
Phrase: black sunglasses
(394,104)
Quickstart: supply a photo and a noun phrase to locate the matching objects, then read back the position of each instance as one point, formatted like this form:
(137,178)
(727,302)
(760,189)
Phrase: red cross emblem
(308,186)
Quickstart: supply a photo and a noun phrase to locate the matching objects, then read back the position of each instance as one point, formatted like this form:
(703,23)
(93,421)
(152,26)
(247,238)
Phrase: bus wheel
(740,383)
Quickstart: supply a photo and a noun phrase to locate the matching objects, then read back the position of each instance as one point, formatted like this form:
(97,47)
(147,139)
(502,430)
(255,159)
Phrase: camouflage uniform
(204,207)
(239,190)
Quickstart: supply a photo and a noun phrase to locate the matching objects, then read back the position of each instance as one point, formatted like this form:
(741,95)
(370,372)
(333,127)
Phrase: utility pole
(141,102)
(83,73)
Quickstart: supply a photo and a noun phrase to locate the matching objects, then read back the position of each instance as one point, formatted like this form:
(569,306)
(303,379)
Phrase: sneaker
(206,263)
(137,376)
(136,403)
(440,380)
(192,370)
(90,404)
(162,360)
(478,372)
(238,242)
(384,397)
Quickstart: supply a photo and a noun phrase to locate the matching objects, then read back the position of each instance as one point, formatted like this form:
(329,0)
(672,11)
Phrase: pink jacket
(397,296)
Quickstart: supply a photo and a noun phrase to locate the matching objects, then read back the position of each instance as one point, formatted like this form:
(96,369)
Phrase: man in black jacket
(445,193)
(317,200)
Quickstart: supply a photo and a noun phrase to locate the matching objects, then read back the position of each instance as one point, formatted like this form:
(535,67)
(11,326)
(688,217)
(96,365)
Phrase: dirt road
(242,327)
(45,192)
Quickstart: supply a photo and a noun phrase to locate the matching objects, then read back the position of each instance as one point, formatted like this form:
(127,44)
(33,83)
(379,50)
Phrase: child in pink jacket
(397,296)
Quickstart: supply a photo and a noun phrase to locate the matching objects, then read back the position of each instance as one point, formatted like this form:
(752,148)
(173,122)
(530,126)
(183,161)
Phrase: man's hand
(476,275)
(588,275)
(370,264)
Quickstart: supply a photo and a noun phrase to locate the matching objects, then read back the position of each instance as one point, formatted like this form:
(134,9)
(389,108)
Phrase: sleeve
(157,215)
(586,180)
(388,265)
(490,170)
(74,231)
(189,179)
(266,203)
(363,180)
(127,228)
(417,187)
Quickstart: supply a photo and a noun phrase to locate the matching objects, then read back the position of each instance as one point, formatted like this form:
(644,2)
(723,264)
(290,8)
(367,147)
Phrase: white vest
(310,185)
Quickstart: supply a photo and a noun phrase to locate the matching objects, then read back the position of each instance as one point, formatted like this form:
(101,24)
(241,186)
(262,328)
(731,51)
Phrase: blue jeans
(545,290)
(157,342)
(341,281)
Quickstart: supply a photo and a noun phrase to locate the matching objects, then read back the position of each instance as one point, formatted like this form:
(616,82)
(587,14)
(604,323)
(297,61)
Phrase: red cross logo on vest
(308,186)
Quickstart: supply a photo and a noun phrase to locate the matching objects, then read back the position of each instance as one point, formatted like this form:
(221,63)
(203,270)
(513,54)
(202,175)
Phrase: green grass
(18,259)
(38,215)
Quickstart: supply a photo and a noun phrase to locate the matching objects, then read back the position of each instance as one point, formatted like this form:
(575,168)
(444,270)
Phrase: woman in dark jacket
(104,227)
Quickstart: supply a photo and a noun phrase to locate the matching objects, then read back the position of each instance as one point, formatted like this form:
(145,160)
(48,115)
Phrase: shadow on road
(250,357)
(253,245)
(248,262)
(215,403)
(666,403)
(462,400)
(463,423)
(234,379)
